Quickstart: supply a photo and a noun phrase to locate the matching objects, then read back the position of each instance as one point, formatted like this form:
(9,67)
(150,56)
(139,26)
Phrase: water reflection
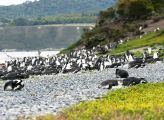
(40,37)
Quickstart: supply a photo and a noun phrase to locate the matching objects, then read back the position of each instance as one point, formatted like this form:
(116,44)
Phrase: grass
(151,39)
(139,102)
(138,54)
(162,53)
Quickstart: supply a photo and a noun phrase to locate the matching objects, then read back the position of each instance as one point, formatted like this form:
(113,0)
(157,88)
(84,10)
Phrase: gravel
(53,93)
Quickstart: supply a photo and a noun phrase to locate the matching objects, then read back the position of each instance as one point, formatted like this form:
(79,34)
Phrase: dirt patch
(153,25)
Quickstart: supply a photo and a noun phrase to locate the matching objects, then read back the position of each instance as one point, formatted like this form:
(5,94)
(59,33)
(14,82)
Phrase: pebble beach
(53,93)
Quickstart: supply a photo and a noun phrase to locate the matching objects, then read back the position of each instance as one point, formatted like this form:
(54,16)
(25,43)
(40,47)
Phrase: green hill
(54,7)
(151,39)
(122,21)
(43,8)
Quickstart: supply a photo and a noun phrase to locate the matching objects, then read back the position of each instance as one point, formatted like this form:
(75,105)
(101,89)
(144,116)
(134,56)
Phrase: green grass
(138,54)
(145,101)
(151,39)
(162,53)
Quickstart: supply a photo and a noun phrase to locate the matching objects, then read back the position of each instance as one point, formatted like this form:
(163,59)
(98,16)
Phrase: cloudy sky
(12,2)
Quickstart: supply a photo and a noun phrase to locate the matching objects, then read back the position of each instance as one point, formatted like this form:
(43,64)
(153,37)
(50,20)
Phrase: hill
(42,8)
(152,39)
(122,22)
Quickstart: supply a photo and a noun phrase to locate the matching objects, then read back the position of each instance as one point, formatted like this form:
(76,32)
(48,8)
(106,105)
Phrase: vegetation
(58,19)
(121,21)
(161,51)
(143,101)
(45,11)
(135,9)
(151,39)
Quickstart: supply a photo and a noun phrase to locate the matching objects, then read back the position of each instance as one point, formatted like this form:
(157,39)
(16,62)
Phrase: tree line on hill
(48,20)
(53,11)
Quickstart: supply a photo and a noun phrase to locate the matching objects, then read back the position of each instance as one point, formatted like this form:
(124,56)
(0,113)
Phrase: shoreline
(20,54)
(58,25)
(53,93)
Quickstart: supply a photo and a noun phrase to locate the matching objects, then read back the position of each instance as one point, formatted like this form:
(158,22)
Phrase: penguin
(115,65)
(101,67)
(136,64)
(121,73)
(107,64)
(155,56)
(149,50)
(109,84)
(9,68)
(13,85)
(133,81)
(129,57)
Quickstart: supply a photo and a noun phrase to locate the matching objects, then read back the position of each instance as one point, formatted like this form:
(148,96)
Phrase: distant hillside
(122,22)
(54,7)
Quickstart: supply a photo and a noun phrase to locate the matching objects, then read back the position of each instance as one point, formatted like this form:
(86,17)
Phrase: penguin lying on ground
(126,82)
(121,73)
(109,84)
(133,81)
(13,85)
(136,64)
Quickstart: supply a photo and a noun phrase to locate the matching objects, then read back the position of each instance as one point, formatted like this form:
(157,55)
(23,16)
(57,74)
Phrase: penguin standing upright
(155,56)
(101,65)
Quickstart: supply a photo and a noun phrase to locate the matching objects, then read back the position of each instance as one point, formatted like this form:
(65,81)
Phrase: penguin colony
(74,62)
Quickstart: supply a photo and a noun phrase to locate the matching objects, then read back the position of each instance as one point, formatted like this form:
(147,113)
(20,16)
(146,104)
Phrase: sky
(12,2)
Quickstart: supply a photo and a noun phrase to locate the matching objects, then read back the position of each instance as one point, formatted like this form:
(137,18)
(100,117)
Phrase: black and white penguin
(101,66)
(129,57)
(107,63)
(121,73)
(136,64)
(115,65)
(108,83)
(13,85)
(156,56)
(133,81)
